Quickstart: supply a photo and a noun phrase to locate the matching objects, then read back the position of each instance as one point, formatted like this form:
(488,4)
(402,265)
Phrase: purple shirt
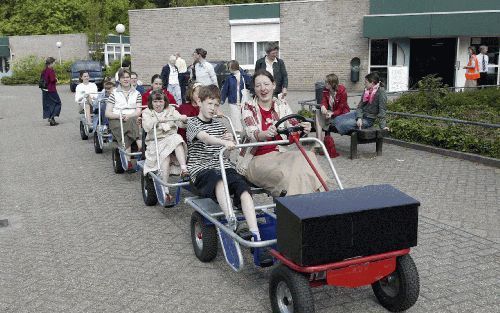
(50,77)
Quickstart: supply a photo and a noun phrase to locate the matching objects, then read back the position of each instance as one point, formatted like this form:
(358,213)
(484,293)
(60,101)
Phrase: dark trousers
(183,82)
(482,79)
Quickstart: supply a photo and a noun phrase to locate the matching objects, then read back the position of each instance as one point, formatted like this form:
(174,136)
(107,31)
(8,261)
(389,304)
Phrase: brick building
(403,40)
(316,37)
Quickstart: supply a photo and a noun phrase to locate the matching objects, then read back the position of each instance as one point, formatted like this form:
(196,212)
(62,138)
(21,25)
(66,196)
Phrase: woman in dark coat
(50,97)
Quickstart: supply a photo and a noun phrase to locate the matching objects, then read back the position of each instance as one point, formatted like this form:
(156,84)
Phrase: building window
(378,57)
(247,53)
(249,40)
(244,52)
(112,52)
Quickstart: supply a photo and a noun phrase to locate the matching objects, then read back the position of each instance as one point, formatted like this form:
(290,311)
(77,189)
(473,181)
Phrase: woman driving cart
(270,166)
(125,103)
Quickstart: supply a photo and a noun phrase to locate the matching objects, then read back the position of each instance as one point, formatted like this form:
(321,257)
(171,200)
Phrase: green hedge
(114,67)
(435,100)
(27,71)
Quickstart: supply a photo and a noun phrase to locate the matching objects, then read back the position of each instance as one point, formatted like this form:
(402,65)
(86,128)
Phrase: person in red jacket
(156,84)
(191,107)
(334,102)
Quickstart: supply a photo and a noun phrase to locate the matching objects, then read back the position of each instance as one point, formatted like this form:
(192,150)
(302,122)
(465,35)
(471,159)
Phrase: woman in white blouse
(203,72)
(85,93)
(126,100)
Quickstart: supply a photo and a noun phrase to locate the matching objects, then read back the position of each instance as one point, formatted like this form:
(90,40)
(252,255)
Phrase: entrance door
(432,56)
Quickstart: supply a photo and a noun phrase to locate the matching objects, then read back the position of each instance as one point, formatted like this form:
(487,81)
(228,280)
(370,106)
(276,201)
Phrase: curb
(450,153)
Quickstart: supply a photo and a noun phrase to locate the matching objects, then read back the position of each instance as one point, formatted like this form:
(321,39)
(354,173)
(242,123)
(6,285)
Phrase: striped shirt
(200,155)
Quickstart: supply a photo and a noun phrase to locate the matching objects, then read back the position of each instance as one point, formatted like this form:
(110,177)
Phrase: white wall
(462,59)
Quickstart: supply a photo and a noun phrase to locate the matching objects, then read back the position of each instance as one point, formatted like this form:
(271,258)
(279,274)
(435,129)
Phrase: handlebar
(232,217)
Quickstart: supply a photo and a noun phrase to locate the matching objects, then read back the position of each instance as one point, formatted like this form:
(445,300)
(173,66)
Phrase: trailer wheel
(117,162)
(148,190)
(399,291)
(97,145)
(290,292)
(83,135)
(204,238)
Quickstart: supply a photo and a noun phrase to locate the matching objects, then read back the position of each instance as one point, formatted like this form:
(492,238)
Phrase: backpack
(42,83)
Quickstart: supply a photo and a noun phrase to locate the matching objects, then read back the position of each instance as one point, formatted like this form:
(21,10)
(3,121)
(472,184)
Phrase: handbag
(245,93)
(42,83)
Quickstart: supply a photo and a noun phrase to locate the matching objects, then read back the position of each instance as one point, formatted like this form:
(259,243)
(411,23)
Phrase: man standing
(276,67)
(482,58)
(170,78)
(183,75)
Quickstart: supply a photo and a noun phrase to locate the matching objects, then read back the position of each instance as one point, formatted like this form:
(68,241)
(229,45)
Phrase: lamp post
(59,45)
(120,29)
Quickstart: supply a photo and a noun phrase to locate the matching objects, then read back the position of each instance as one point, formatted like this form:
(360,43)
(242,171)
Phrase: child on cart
(206,137)
(100,101)
(167,120)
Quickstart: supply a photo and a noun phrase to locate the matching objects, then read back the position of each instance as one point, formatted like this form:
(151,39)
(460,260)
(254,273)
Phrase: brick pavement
(81,240)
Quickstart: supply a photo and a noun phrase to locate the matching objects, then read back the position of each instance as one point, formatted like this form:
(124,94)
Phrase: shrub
(27,71)
(434,99)
(114,67)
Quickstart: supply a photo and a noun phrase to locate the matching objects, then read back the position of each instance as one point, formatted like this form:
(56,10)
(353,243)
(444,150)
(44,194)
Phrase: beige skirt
(285,171)
(166,147)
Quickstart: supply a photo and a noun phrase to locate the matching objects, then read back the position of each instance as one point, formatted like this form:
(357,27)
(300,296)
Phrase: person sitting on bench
(372,106)
(334,101)
(206,137)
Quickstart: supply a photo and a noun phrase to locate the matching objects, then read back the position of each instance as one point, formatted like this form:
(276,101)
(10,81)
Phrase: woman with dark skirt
(50,97)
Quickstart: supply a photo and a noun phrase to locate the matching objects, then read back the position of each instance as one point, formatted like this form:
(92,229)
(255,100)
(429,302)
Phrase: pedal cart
(85,128)
(152,184)
(119,154)
(102,135)
(347,238)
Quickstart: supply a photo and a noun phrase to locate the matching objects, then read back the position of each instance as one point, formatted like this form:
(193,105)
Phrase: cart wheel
(204,238)
(97,145)
(148,190)
(399,291)
(290,292)
(117,162)
(82,132)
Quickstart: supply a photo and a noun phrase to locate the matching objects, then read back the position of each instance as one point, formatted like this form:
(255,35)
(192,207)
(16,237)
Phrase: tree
(32,17)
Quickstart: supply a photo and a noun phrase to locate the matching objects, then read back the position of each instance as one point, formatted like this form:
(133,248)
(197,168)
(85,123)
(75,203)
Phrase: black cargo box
(332,226)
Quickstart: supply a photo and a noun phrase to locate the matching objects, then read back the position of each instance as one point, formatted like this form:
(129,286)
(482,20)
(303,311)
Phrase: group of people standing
(477,67)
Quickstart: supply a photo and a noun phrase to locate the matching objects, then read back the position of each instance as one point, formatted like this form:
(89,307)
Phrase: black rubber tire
(208,250)
(72,87)
(117,162)
(148,190)
(408,288)
(82,132)
(97,146)
(302,300)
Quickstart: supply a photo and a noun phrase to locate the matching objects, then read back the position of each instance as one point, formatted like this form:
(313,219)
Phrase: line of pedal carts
(347,237)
